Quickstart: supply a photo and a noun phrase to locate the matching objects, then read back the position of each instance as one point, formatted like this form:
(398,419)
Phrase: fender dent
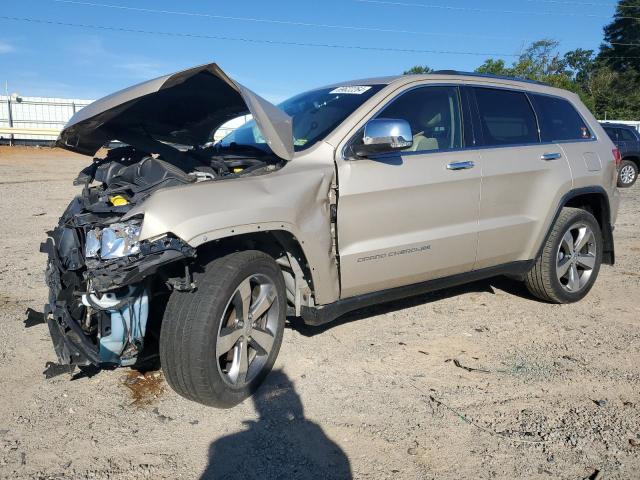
(297,195)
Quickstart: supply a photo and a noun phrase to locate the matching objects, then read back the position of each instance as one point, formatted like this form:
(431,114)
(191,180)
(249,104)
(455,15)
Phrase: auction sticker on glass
(351,89)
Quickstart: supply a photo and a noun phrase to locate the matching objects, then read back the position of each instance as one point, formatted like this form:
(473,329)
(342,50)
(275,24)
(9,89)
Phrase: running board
(327,313)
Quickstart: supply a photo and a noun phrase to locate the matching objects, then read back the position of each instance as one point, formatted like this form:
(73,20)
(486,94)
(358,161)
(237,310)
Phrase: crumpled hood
(183,108)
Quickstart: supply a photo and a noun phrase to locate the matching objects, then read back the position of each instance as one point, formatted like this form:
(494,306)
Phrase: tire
(198,325)
(627,174)
(548,280)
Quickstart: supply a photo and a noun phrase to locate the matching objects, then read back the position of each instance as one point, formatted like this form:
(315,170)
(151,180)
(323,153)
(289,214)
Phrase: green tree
(621,50)
(418,69)
(608,82)
(615,95)
(494,67)
(539,59)
(580,64)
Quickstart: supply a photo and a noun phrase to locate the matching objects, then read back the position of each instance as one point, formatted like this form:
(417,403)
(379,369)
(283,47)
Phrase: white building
(35,120)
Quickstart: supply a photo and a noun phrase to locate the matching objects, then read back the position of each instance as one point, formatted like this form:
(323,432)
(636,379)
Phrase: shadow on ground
(512,287)
(282,443)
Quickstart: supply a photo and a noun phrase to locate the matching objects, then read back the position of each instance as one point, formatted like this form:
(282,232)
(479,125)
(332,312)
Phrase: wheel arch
(634,157)
(283,246)
(596,201)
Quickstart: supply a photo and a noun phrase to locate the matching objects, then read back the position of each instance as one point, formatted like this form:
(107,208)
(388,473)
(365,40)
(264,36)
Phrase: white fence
(35,119)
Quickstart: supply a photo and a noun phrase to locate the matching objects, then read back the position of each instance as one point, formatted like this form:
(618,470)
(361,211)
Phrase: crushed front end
(101,278)
(107,287)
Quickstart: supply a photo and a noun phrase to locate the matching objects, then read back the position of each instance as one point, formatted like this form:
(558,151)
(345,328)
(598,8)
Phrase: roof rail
(487,75)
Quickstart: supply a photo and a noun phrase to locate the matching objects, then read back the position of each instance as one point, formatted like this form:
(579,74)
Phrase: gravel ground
(550,391)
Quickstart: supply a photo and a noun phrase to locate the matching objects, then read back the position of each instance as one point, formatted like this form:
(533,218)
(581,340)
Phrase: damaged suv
(339,198)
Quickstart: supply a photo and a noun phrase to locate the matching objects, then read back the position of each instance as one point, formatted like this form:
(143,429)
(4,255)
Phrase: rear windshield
(315,114)
(559,120)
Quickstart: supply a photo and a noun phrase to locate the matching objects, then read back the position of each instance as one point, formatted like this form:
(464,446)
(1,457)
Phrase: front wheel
(570,260)
(217,344)
(628,174)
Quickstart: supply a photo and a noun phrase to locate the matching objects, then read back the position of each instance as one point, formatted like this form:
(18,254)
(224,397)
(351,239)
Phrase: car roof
(617,125)
(436,74)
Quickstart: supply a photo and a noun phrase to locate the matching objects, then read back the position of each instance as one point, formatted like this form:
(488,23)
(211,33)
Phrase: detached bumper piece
(71,345)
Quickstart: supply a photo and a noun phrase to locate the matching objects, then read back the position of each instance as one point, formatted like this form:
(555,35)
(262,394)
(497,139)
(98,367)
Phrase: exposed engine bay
(105,285)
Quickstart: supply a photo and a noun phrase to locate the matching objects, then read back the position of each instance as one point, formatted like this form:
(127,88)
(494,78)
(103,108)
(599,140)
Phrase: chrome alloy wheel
(627,174)
(247,331)
(576,257)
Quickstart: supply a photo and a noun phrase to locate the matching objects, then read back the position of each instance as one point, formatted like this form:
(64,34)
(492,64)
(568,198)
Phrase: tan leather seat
(430,116)
(422,143)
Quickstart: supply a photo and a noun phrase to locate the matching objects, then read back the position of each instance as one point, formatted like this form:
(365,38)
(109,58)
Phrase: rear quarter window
(628,135)
(559,120)
(506,117)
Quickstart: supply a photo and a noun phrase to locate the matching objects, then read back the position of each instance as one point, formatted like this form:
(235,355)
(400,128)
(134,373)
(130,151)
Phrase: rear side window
(627,135)
(506,117)
(559,120)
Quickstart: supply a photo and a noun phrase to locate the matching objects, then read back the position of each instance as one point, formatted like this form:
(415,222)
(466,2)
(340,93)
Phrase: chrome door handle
(460,165)
(551,156)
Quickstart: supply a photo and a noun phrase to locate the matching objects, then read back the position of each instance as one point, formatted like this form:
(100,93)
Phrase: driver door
(411,216)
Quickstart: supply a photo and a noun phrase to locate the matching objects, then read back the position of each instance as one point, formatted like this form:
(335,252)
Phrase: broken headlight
(115,241)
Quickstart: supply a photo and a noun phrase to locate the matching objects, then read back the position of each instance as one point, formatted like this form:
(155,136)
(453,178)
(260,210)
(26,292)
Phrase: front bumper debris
(114,274)
(92,332)
(71,345)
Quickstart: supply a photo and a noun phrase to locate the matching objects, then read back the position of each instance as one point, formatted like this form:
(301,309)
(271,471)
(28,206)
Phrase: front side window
(315,114)
(506,117)
(559,120)
(613,135)
(434,116)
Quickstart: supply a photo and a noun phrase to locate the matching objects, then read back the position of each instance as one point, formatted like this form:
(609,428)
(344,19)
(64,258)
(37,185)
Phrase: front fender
(294,198)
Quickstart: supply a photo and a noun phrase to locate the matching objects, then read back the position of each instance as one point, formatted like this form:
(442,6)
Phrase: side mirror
(383,135)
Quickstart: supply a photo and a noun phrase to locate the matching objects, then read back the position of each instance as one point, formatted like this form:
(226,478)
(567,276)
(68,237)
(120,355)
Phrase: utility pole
(10,115)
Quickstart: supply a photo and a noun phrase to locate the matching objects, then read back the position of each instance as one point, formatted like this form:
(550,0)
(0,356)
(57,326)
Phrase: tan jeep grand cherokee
(341,197)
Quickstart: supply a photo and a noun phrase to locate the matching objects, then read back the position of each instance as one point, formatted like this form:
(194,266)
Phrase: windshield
(315,114)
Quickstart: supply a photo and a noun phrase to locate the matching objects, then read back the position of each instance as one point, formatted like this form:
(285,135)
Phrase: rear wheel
(570,260)
(217,344)
(628,174)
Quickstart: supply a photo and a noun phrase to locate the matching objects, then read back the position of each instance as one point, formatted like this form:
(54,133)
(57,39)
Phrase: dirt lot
(551,391)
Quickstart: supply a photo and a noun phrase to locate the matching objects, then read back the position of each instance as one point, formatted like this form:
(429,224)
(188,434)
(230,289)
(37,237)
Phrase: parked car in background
(339,198)
(627,139)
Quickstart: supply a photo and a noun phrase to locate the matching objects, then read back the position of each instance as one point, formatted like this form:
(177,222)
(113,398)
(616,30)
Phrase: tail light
(617,156)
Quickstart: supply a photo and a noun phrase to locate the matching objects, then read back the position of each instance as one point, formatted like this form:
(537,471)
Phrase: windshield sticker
(351,89)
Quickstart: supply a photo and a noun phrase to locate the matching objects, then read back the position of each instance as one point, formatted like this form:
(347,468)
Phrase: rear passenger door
(560,122)
(522,178)
(628,141)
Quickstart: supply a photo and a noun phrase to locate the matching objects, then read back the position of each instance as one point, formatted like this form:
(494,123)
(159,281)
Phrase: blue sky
(42,59)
